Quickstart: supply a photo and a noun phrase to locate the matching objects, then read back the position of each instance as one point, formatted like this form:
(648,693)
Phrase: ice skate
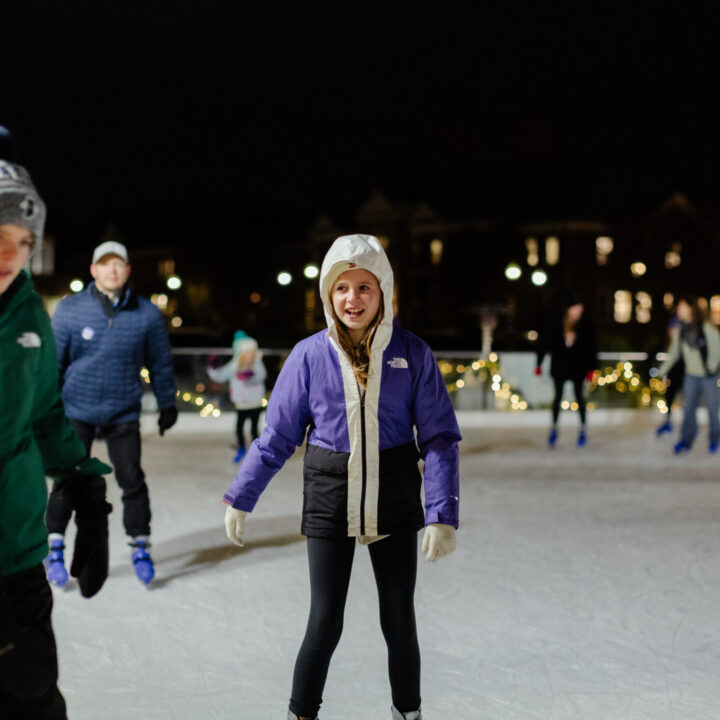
(144,568)
(665,428)
(552,437)
(712,448)
(239,455)
(292,716)
(582,439)
(55,562)
(414,715)
(681,447)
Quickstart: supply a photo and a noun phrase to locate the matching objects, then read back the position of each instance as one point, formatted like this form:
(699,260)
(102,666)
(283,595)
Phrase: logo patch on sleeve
(29,340)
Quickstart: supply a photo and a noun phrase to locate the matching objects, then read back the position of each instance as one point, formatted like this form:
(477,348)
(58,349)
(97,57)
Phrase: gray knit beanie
(20,203)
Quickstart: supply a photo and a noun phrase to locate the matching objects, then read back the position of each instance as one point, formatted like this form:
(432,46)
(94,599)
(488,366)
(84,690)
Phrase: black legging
(254,415)
(578,387)
(394,562)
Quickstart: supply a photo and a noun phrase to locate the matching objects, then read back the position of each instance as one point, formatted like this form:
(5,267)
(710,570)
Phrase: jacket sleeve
(158,359)
(287,419)
(59,445)
(713,342)
(673,354)
(221,374)
(438,436)
(62,332)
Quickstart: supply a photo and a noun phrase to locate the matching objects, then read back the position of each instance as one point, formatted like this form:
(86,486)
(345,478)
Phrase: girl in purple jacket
(370,400)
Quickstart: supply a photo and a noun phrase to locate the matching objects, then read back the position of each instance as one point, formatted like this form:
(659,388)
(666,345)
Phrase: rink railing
(502,381)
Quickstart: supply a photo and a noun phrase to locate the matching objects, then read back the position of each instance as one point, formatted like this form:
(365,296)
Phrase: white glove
(235,525)
(438,541)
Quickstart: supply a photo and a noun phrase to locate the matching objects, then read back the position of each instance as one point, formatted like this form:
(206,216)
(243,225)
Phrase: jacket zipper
(105,369)
(364,460)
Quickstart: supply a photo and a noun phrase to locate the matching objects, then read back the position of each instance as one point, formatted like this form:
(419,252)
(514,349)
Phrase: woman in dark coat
(569,338)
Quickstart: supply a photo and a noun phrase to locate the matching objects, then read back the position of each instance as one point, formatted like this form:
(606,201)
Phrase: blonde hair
(359,355)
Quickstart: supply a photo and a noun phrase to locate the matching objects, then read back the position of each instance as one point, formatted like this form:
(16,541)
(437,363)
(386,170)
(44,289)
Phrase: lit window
(715,309)
(672,259)
(623,306)
(166,268)
(531,245)
(638,269)
(436,249)
(603,247)
(643,307)
(552,250)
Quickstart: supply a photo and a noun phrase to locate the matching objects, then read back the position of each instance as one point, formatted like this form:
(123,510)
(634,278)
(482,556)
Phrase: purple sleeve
(286,423)
(438,436)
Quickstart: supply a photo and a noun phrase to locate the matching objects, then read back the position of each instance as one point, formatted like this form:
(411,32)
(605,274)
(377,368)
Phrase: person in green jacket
(36,440)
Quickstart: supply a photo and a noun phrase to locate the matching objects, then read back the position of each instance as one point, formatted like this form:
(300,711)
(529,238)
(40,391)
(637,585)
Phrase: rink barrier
(499,382)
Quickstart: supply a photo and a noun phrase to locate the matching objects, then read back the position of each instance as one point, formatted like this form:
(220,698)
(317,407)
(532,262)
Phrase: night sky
(239,122)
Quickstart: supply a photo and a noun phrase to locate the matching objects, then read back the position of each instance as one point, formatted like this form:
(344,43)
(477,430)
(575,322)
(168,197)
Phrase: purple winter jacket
(360,471)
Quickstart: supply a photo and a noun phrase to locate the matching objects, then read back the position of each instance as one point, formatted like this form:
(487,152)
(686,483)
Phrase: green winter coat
(35,436)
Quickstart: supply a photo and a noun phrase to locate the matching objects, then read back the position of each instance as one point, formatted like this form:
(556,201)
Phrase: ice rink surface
(585,585)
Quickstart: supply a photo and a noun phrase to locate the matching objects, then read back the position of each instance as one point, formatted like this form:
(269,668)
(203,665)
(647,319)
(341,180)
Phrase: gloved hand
(86,496)
(438,541)
(538,370)
(235,525)
(168,417)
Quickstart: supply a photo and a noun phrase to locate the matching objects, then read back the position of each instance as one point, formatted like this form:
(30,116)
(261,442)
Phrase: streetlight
(76,285)
(513,271)
(539,277)
(311,271)
(284,278)
(174,282)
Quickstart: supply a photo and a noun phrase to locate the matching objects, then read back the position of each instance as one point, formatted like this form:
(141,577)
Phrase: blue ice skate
(582,439)
(144,568)
(239,455)
(712,449)
(681,447)
(552,437)
(55,563)
(664,429)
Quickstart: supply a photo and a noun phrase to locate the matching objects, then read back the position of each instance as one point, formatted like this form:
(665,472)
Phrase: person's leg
(394,562)
(59,511)
(28,654)
(330,563)
(239,424)
(579,388)
(712,402)
(559,385)
(692,387)
(123,444)
(254,416)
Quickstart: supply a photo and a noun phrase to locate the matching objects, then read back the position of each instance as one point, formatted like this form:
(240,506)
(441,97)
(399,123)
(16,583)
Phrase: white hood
(351,252)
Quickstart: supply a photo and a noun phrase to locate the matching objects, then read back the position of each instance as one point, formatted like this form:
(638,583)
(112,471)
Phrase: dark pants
(578,387)
(394,562)
(695,387)
(123,444)
(28,655)
(252,414)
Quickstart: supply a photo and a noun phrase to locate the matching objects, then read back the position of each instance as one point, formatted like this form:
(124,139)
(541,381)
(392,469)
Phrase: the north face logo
(29,340)
(398,363)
